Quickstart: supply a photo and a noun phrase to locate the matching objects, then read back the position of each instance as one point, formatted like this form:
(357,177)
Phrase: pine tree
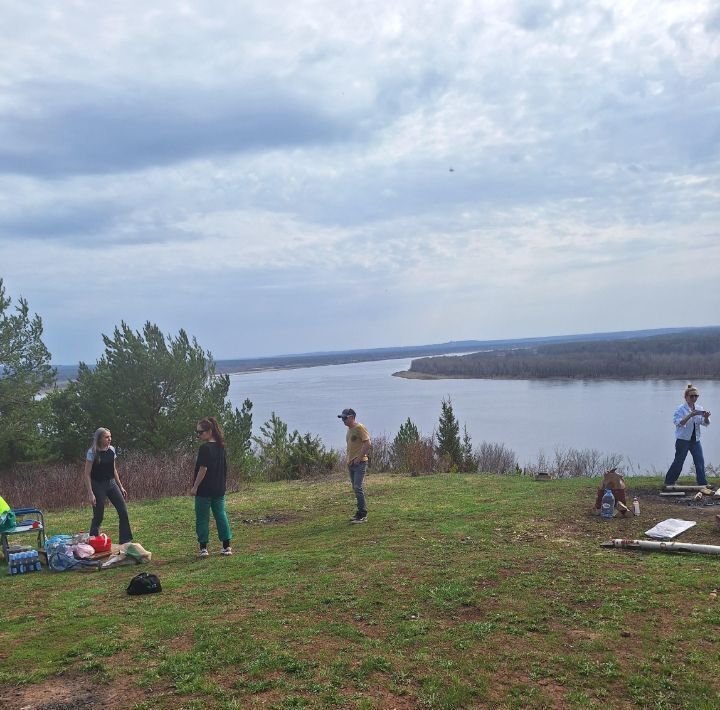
(469,459)
(449,446)
(150,390)
(25,371)
(407,437)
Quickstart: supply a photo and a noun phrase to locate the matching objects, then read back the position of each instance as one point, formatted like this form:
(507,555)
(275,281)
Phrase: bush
(380,455)
(284,456)
(407,436)
(56,486)
(575,463)
(420,456)
(495,458)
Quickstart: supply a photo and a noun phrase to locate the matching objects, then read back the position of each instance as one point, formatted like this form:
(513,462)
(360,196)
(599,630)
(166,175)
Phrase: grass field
(460,591)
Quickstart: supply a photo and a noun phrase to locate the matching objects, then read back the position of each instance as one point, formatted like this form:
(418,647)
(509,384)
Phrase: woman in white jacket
(688,419)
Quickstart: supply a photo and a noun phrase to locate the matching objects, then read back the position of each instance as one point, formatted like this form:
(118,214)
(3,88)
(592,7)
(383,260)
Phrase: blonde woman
(103,481)
(688,420)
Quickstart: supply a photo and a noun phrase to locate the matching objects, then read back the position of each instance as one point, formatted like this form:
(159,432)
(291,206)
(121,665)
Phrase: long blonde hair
(96,440)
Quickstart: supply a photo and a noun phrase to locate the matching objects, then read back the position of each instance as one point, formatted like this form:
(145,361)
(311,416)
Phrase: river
(630,418)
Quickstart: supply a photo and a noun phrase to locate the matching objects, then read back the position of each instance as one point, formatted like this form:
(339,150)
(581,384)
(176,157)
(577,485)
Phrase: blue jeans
(357,474)
(682,446)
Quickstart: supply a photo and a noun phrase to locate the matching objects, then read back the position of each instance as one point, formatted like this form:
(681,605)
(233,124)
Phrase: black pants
(109,489)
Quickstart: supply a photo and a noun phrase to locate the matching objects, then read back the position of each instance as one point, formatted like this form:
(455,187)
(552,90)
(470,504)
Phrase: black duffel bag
(144,583)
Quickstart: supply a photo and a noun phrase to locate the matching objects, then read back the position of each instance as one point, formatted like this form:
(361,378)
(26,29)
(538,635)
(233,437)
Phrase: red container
(100,543)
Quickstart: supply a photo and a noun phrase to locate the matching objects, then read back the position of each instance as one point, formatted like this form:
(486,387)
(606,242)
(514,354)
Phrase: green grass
(460,591)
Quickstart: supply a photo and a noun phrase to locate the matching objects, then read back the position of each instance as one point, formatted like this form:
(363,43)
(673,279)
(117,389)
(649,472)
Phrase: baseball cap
(346,413)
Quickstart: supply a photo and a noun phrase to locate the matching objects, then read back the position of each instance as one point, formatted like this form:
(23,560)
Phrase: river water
(630,418)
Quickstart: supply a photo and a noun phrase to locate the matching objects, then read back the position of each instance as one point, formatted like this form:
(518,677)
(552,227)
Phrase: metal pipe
(662,546)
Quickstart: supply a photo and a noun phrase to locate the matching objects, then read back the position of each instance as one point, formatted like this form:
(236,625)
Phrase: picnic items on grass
(128,553)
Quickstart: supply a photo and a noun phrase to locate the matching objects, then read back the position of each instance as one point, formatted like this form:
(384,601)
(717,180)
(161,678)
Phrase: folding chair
(25,524)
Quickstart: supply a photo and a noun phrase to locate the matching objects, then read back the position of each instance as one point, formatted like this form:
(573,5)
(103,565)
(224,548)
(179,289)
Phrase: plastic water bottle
(12,564)
(607,507)
(636,506)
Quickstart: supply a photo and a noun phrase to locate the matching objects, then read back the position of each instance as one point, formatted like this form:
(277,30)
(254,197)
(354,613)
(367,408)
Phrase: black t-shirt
(212,456)
(103,468)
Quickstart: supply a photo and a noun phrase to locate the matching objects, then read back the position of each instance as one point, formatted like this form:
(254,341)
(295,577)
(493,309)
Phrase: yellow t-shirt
(355,437)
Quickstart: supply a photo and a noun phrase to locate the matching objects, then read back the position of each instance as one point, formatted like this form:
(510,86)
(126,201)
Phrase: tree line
(690,355)
(150,389)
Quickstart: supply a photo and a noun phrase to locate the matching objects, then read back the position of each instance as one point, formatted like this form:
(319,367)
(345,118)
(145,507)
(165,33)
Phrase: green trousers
(203,506)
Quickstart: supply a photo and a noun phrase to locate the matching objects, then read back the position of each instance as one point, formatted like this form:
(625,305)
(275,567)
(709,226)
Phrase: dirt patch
(73,691)
(62,693)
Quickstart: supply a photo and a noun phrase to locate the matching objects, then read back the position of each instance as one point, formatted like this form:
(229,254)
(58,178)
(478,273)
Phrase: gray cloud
(58,222)
(389,169)
(65,129)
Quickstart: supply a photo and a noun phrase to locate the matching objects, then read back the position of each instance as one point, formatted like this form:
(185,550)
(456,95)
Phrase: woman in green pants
(209,485)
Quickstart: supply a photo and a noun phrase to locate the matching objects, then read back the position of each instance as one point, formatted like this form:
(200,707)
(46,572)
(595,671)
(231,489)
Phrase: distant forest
(691,355)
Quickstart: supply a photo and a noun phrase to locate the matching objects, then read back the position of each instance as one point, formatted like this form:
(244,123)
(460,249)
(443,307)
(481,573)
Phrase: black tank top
(103,468)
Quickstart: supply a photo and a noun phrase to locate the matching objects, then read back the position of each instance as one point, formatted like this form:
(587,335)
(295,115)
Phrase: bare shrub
(381,453)
(55,486)
(418,457)
(575,463)
(495,458)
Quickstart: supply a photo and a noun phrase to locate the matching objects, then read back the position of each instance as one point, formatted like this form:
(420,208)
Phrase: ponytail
(211,424)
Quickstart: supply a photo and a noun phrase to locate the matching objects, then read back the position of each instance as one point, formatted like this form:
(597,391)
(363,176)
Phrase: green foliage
(449,447)
(150,390)
(284,455)
(407,437)
(66,429)
(24,371)
(237,425)
(469,458)
(273,446)
(309,457)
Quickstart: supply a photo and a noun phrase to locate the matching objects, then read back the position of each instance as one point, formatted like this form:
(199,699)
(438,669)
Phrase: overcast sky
(280,177)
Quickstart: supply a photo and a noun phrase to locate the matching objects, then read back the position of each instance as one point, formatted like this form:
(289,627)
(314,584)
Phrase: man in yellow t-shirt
(358,448)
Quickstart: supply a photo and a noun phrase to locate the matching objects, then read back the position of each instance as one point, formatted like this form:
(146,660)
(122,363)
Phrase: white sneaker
(203,552)
(226,551)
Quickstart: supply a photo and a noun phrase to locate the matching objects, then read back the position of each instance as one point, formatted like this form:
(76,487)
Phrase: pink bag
(83,551)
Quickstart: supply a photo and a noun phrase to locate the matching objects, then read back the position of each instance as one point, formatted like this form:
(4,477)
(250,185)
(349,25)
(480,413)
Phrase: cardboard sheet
(670,528)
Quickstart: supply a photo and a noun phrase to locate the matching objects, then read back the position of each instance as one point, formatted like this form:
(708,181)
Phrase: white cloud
(360,173)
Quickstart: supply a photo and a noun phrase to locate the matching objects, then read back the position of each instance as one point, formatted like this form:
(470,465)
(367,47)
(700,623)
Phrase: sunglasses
(199,432)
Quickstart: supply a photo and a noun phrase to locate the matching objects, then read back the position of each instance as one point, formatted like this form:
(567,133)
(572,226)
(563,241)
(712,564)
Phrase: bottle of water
(12,564)
(21,561)
(636,506)
(607,507)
